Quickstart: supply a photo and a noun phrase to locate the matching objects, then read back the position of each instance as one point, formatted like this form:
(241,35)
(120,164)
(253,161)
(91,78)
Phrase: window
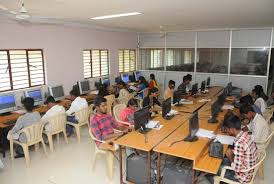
(170,57)
(96,63)
(127,60)
(21,69)
(155,58)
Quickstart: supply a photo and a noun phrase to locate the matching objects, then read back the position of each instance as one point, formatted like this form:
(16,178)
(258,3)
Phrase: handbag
(216,149)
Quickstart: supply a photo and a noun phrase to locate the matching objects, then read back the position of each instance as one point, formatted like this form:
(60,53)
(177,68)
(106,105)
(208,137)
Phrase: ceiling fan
(21,15)
(162,32)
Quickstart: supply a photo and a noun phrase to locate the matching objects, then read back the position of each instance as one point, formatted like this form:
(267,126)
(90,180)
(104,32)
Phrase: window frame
(135,60)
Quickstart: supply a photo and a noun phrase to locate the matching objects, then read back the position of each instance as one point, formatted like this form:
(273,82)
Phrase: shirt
(148,102)
(152,84)
(168,93)
(122,95)
(141,87)
(182,88)
(53,111)
(245,156)
(102,125)
(259,102)
(127,115)
(257,109)
(259,128)
(24,121)
(77,104)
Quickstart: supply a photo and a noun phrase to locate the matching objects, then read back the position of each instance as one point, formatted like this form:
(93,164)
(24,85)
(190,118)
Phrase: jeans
(69,128)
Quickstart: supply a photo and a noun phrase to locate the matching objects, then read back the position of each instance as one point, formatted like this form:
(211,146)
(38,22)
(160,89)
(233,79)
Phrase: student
(123,92)
(248,100)
(141,86)
(183,87)
(54,110)
(152,99)
(127,114)
(257,124)
(152,82)
(103,90)
(102,124)
(24,121)
(242,156)
(260,97)
(169,91)
(188,87)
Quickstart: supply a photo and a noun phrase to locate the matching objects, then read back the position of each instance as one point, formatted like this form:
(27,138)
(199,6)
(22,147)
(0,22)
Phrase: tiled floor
(70,164)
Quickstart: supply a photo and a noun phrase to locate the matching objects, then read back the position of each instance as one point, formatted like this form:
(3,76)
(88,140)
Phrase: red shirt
(127,115)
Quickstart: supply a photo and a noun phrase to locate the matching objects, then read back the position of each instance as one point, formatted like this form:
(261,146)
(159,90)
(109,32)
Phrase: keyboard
(10,122)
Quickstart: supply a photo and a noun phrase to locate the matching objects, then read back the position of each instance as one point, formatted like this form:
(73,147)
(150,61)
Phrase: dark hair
(247,99)
(103,90)
(185,78)
(232,121)
(258,89)
(244,109)
(143,81)
(122,83)
(171,82)
(131,102)
(74,93)
(189,76)
(152,76)
(50,99)
(28,103)
(99,100)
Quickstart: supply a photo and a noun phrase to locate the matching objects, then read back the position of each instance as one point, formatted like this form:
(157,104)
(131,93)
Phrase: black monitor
(229,88)
(208,81)
(166,108)
(83,87)
(221,99)
(125,77)
(215,109)
(137,74)
(193,128)
(117,79)
(177,98)
(141,118)
(203,85)
(105,81)
(194,89)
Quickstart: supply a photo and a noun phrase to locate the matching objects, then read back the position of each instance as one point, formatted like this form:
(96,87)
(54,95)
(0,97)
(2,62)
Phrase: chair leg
(261,171)
(65,136)
(44,147)
(26,153)
(94,160)
(110,158)
(58,138)
(36,147)
(50,142)
(216,180)
(77,129)
(11,150)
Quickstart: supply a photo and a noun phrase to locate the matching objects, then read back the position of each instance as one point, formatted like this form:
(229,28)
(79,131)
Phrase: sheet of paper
(172,111)
(228,107)
(185,101)
(205,133)
(225,139)
(158,127)
(133,88)
(152,124)
(204,100)
(21,111)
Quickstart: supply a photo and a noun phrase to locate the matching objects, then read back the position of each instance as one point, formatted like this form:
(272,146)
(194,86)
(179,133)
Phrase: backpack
(216,149)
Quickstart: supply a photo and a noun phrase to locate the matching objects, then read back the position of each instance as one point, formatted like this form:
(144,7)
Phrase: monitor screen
(166,107)
(141,118)
(36,95)
(6,102)
(194,88)
(229,88)
(137,75)
(203,85)
(176,97)
(84,87)
(208,81)
(193,124)
(215,108)
(57,92)
(125,77)
(106,81)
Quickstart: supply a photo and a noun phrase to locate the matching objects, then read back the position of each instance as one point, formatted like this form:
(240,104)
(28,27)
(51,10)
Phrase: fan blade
(3,8)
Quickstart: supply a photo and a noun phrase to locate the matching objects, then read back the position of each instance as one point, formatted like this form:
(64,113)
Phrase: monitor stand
(166,117)
(178,104)
(213,120)
(190,138)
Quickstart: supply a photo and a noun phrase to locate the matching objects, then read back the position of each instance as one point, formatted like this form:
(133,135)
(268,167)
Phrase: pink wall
(63,47)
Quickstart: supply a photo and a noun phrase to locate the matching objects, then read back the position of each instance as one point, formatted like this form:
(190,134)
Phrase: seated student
(152,82)
(242,156)
(141,86)
(169,91)
(260,97)
(188,87)
(103,90)
(183,87)
(123,92)
(102,124)
(54,110)
(24,121)
(127,114)
(257,124)
(152,99)
(248,100)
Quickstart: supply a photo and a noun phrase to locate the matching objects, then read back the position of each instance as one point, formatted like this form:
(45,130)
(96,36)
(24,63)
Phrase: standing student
(24,121)
(182,88)
(260,97)
(169,91)
(152,82)
(127,114)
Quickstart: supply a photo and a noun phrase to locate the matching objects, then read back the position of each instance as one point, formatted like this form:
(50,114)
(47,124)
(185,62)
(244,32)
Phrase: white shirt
(53,111)
(77,104)
(259,128)
(261,104)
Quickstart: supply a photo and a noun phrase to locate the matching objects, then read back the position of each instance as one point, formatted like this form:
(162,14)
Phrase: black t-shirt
(147,102)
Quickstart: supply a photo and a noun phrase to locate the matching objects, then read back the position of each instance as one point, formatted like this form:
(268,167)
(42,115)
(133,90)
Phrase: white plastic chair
(110,101)
(268,115)
(57,125)
(261,157)
(34,137)
(83,118)
(117,109)
(264,144)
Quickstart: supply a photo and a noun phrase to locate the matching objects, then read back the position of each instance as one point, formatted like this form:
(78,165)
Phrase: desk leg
(149,166)
(121,164)
(2,142)
(158,168)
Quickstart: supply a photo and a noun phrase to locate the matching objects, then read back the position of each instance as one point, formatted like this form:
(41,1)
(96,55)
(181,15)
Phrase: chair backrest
(126,98)
(110,101)
(33,132)
(83,115)
(264,144)
(267,115)
(58,122)
(117,109)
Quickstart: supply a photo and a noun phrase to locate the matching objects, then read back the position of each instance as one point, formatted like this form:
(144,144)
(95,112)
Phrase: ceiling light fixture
(115,15)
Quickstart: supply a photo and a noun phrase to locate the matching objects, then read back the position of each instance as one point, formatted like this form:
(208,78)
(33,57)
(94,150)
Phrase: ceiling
(173,15)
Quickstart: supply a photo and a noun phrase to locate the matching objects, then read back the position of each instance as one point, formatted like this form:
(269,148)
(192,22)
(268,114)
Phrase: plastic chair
(117,109)
(34,137)
(264,144)
(126,99)
(261,157)
(110,101)
(268,115)
(83,118)
(57,125)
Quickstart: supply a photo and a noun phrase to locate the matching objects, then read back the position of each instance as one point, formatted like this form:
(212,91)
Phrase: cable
(171,144)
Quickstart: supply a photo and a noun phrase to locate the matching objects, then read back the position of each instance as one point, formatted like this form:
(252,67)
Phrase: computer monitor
(141,118)
(194,89)
(117,79)
(203,85)
(166,108)
(36,94)
(177,98)
(83,87)
(7,103)
(221,99)
(193,128)
(57,92)
(125,77)
(105,81)
(208,81)
(137,74)
(229,88)
(215,109)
